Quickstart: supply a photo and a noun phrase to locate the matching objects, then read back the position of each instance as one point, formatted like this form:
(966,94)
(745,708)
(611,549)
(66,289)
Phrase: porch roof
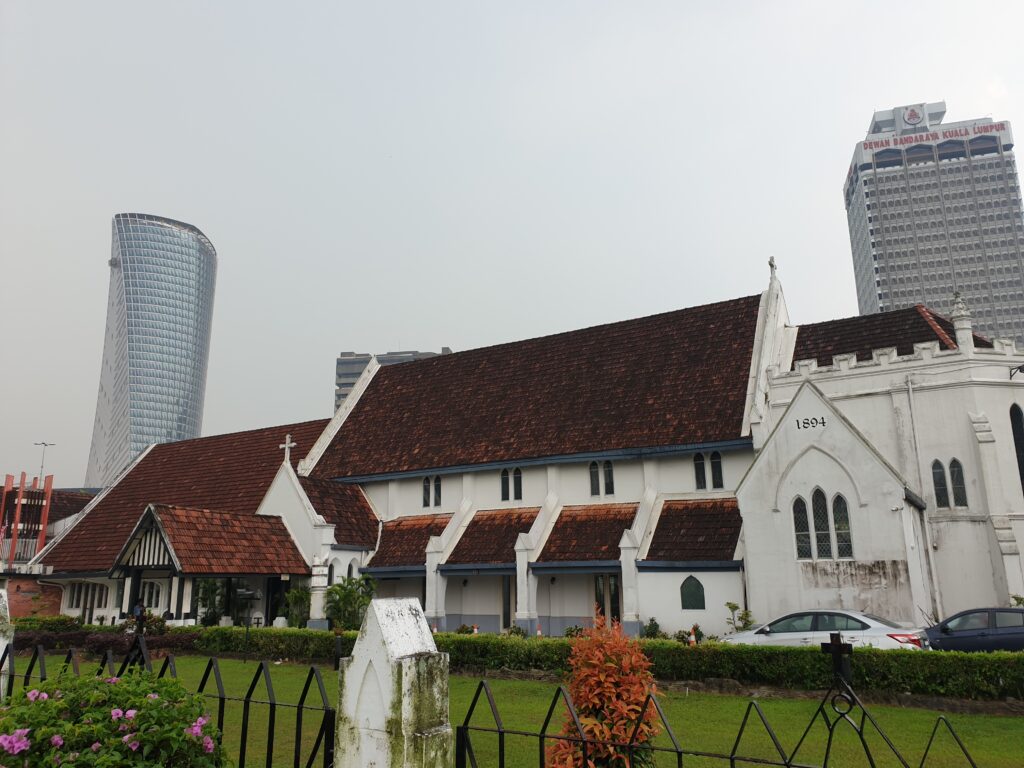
(490,537)
(696,530)
(403,541)
(588,532)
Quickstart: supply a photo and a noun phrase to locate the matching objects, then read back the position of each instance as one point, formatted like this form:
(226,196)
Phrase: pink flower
(133,746)
(116,714)
(127,737)
(207,744)
(152,696)
(32,695)
(123,727)
(95,746)
(113,680)
(201,721)
(130,714)
(194,730)
(16,742)
(56,740)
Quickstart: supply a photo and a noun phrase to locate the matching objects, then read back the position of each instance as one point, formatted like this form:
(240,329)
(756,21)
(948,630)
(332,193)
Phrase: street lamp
(42,461)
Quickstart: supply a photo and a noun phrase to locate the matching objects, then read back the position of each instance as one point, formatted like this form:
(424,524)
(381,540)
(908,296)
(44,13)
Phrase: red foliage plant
(609,680)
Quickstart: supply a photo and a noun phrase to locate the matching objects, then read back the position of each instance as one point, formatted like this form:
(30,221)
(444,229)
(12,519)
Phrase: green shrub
(210,594)
(573,631)
(516,631)
(297,601)
(95,721)
(345,603)
(652,630)
(59,623)
(267,643)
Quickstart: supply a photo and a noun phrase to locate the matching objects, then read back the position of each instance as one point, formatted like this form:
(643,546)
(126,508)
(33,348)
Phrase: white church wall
(565,600)
(661,598)
(409,587)
(473,600)
(487,488)
(286,500)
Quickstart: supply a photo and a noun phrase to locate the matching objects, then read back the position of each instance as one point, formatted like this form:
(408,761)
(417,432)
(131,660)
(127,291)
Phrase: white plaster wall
(399,498)
(285,500)
(574,483)
(676,474)
(400,588)
(487,488)
(569,601)
(963,560)
(660,597)
(478,602)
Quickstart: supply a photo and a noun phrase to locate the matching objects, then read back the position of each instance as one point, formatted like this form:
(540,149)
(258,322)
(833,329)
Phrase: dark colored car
(980,629)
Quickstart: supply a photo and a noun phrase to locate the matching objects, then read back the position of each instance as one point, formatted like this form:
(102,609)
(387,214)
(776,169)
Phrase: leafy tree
(210,597)
(346,602)
(297,601)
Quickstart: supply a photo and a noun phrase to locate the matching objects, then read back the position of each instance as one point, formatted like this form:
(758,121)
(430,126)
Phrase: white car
(811,628)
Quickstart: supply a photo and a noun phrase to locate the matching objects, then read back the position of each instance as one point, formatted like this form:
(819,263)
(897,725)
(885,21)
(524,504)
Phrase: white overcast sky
(379,175)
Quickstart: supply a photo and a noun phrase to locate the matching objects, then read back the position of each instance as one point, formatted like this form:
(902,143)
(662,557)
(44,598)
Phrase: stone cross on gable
(287,446)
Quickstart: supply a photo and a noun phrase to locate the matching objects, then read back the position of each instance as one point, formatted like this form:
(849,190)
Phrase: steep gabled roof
(346,508)
(490,537)
(403,541)
(208,542)
(230,473)
(677,378)
(705,529)
(899,328)
(588,532)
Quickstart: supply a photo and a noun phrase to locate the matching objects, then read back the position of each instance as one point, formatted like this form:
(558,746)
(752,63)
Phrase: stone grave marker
(393,691)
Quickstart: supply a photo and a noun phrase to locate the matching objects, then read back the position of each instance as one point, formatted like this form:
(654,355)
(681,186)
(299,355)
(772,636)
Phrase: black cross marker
(840,653)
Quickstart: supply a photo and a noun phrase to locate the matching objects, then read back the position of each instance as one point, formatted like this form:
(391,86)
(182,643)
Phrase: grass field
(702,722)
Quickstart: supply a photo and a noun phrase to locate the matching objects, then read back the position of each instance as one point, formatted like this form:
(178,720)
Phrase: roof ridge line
(929,318)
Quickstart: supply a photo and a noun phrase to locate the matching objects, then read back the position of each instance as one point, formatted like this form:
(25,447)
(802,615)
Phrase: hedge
(934,673)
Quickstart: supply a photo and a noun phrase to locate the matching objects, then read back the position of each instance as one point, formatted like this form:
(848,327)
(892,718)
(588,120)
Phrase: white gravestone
(393,690)
(317,590)
(6,638)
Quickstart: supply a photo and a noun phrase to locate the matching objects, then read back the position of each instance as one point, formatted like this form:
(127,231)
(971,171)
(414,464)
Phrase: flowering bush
(609,680)
(105,722)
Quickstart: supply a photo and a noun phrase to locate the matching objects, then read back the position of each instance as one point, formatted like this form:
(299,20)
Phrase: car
(980,629)
(811,628)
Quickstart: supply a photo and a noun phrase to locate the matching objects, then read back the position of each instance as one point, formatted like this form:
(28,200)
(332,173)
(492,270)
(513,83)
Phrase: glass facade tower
(156,343)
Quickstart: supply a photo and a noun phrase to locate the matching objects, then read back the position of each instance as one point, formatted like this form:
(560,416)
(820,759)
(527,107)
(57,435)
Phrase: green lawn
(702,722)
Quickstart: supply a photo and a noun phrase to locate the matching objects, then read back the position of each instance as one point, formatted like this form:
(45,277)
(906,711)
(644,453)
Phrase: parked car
(811,628)
(980,629)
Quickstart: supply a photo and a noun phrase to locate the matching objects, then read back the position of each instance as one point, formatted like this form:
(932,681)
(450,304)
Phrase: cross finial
(287,446)
(840,653)
(771,264)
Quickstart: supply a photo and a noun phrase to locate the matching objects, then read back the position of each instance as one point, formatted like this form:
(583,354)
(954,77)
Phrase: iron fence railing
(312,701)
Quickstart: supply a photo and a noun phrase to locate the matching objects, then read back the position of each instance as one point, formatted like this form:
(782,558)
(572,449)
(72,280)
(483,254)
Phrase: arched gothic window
(716,470)
(426,491)
(595,479)
(939,481)
(699,476)
(841,520)
(956,479)
(1017,423)
(692,594)
(609,478)
(802,528)
(822,532)
(517,484)
(437,490)
(504,485)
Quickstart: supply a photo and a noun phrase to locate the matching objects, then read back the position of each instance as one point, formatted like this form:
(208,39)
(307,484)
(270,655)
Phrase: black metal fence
(317,706)
(839,707)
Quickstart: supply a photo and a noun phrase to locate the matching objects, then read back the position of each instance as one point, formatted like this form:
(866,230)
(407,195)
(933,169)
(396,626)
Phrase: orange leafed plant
(609,680)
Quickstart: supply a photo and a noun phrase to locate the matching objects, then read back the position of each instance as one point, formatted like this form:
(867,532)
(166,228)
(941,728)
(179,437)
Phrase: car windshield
(883,622)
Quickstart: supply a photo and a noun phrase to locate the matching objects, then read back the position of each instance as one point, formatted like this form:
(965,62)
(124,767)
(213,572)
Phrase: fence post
(460,746)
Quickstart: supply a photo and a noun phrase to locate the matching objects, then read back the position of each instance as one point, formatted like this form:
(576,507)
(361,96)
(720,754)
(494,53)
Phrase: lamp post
(42,461)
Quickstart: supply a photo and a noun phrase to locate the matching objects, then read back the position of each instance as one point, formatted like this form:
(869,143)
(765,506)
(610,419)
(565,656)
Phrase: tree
(297,601)
(210,598)
(346,602)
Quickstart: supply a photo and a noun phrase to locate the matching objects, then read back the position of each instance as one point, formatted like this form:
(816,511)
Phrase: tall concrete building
(351,365)
(156,343)
(935,208)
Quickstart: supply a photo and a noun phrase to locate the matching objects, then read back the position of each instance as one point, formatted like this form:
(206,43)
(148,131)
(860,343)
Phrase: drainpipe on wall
(925,528)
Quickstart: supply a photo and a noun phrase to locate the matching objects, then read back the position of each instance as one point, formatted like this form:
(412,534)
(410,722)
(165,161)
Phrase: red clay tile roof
(229,472)
(900,328)
(207,542)
(346,508)
(708,529)
(64,504)
(677,378)
(491,536)
(403,541)
(588,532)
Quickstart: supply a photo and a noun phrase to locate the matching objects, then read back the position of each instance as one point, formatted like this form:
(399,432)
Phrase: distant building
(352,364)
(935,208)
(156,343)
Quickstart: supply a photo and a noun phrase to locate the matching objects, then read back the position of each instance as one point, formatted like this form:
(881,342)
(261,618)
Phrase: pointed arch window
(822,532)
(956,479)
(716,470)
(939,481)
(803,529)
(504,484)
(841,520)
(595,479)
(691,593)
(609,478)
(699,476)
(517,484)
(426,491)
(1017,423)
(437,490)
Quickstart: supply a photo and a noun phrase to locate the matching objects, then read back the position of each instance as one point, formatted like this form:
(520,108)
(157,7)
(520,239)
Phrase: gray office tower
(352,364)
(935,208)
(156,343)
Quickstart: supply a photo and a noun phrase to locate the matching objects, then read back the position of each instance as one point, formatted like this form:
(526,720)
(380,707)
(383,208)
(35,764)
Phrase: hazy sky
(381,176)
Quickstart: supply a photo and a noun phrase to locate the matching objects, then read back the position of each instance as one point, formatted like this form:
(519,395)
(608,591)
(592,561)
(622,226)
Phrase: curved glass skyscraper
(157,340)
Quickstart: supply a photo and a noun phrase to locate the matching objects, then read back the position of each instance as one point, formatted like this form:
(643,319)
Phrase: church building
(651,468)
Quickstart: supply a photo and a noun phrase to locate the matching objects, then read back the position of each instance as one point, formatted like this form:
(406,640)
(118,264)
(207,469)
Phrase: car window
(800,622)
(968,621)
(1006,619)
(837,622)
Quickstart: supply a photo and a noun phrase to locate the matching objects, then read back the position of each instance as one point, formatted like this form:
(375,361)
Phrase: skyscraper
(156,343)
(350,367)
(935,208)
